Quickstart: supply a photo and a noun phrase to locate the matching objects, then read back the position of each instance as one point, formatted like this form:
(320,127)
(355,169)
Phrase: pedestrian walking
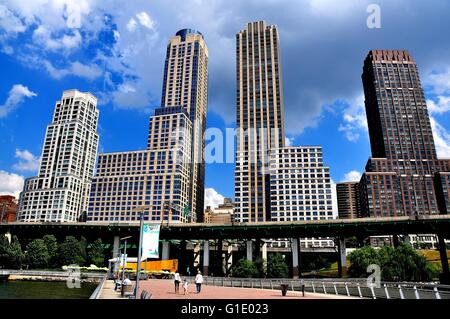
(177,280)
(185,286)
(198,282)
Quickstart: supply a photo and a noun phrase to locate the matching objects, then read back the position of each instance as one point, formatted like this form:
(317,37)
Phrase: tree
(96,253)
(52,248)
(402,263)
(37,254)
(70,252)
(261,266)
(11,255)
(277,267)
(245,269)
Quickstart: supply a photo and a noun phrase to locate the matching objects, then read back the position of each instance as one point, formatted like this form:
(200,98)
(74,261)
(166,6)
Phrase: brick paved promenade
(164,289)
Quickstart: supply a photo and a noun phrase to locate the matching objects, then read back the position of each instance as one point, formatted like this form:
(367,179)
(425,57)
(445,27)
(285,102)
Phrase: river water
(15,289)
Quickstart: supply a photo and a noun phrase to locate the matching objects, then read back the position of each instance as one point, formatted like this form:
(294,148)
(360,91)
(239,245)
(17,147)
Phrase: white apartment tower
(60,192)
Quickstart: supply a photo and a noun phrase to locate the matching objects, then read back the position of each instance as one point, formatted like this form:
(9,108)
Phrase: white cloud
(352,176)
(439,81)
(145,20)
(213,198)
(354,119)
(27,161)
(441,106)
(10,22)
(10,184)
(131,25)
(289,141)
(441,139)
(76,68)
(16,96)
(68,41)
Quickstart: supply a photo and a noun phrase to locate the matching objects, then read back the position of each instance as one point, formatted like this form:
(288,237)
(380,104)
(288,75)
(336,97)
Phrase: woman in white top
(198,282)
(177,279)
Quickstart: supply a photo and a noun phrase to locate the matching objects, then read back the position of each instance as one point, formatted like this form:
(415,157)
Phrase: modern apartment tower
(167,179)
(156,180)
(259,118)
(347,194)
(185,84)
(60,192)
(300,185)
(399,179)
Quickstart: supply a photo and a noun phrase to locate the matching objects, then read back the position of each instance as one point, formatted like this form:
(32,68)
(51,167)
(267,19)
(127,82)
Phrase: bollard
(346,289)
(401,292)
(292,283)
(324,289)
(313,288)
(387,292)
(271,284)
(335,289)
(252,282)
(261,282)
(436,293)
(359,291)
(416,293)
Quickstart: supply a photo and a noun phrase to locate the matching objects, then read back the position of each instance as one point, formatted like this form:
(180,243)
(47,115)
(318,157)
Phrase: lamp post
(141,232)
(124,256)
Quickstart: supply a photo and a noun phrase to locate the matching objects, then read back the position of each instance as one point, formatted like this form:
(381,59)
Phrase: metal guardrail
(97,291)
(351,287)
(47,273)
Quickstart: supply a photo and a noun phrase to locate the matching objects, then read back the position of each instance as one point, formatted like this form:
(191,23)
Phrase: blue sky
(116,50)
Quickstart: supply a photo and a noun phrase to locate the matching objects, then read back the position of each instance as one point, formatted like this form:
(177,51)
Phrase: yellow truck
(170,265)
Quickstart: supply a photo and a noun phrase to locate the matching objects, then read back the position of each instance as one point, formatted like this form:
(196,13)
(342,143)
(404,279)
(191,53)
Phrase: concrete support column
(264,255)
(219,258)
(182,257)
(249,250)
(229,259)
(116,253)
(342,261)
(196,257)
(444,261)
(395,240)
(257,248)
(205,257)
(295,250)
(165,250)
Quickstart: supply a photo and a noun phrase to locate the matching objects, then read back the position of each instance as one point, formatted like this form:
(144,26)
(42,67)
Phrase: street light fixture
(124,255)
(141,210)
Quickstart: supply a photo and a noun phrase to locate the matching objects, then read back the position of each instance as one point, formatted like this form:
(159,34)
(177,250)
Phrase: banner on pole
(150,241)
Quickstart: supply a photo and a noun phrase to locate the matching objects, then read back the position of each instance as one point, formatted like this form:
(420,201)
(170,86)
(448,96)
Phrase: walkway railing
(351,287)
(98,290)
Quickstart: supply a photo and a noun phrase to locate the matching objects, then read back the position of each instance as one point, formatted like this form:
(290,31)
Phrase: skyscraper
(185,84)
(60,192)
(399,178)
(347,194)
(167,179)
(259,118)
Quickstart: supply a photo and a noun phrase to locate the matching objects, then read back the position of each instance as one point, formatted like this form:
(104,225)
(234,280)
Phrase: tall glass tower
(259,118)
(185,84)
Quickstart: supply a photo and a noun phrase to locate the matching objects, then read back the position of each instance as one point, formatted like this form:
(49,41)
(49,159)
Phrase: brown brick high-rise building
(8,208)
(347,199)
(400,177)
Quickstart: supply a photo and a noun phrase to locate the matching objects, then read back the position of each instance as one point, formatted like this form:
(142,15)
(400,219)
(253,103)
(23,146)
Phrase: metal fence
(97,291)
(341,287)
